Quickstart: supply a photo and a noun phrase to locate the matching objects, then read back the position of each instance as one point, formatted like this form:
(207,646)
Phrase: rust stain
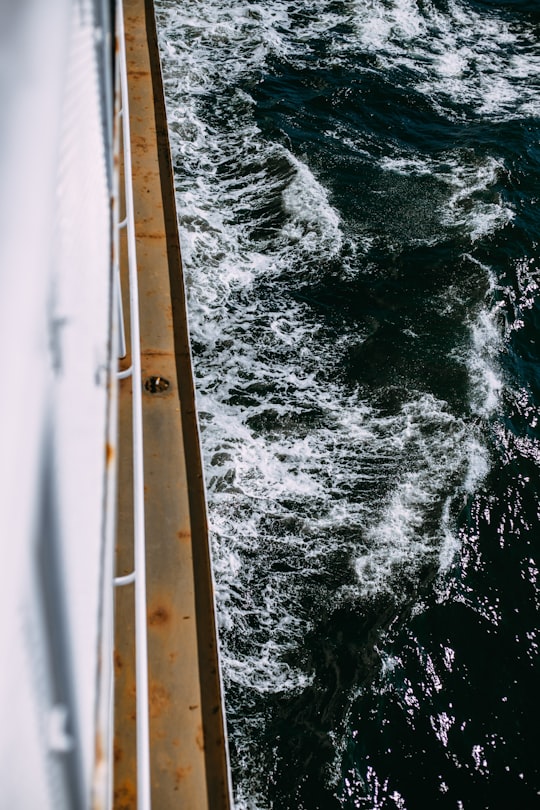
(117,752)
(125,796)
(159,699)
(140,142)
(148,235)
(184,534)
(118,662)
(160,615)
(199,739)
(109,453)
(172,657)
(99,751)
(180,774)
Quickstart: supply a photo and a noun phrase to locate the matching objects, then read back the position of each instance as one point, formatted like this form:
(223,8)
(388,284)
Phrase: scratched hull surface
(357,186)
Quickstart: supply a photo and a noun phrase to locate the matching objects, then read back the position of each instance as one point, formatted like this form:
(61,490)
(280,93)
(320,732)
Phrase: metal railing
(138,575)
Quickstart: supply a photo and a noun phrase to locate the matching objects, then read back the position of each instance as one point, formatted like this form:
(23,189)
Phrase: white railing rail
(138,575)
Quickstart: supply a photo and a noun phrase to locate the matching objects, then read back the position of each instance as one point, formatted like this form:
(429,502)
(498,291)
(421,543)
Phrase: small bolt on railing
(138,575)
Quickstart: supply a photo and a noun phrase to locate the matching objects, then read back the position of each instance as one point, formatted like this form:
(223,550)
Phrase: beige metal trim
(188,750)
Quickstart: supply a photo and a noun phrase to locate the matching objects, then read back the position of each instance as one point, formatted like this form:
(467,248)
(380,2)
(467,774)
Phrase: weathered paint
(188,751)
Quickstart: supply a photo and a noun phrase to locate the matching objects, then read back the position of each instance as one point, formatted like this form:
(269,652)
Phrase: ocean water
(358,186)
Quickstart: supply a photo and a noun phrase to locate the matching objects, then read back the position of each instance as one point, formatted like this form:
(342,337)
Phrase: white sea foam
(460,55)
(403,533)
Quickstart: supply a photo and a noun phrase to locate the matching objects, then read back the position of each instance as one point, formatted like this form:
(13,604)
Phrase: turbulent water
(358,186)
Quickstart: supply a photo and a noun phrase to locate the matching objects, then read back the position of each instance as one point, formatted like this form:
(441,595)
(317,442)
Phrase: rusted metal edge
(217,767)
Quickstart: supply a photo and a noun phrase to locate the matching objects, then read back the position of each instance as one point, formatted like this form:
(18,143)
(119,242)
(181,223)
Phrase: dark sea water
(359,202)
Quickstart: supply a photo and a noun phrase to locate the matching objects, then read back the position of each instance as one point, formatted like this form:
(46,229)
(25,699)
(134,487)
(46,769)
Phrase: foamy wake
(304,475)
(461,55)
